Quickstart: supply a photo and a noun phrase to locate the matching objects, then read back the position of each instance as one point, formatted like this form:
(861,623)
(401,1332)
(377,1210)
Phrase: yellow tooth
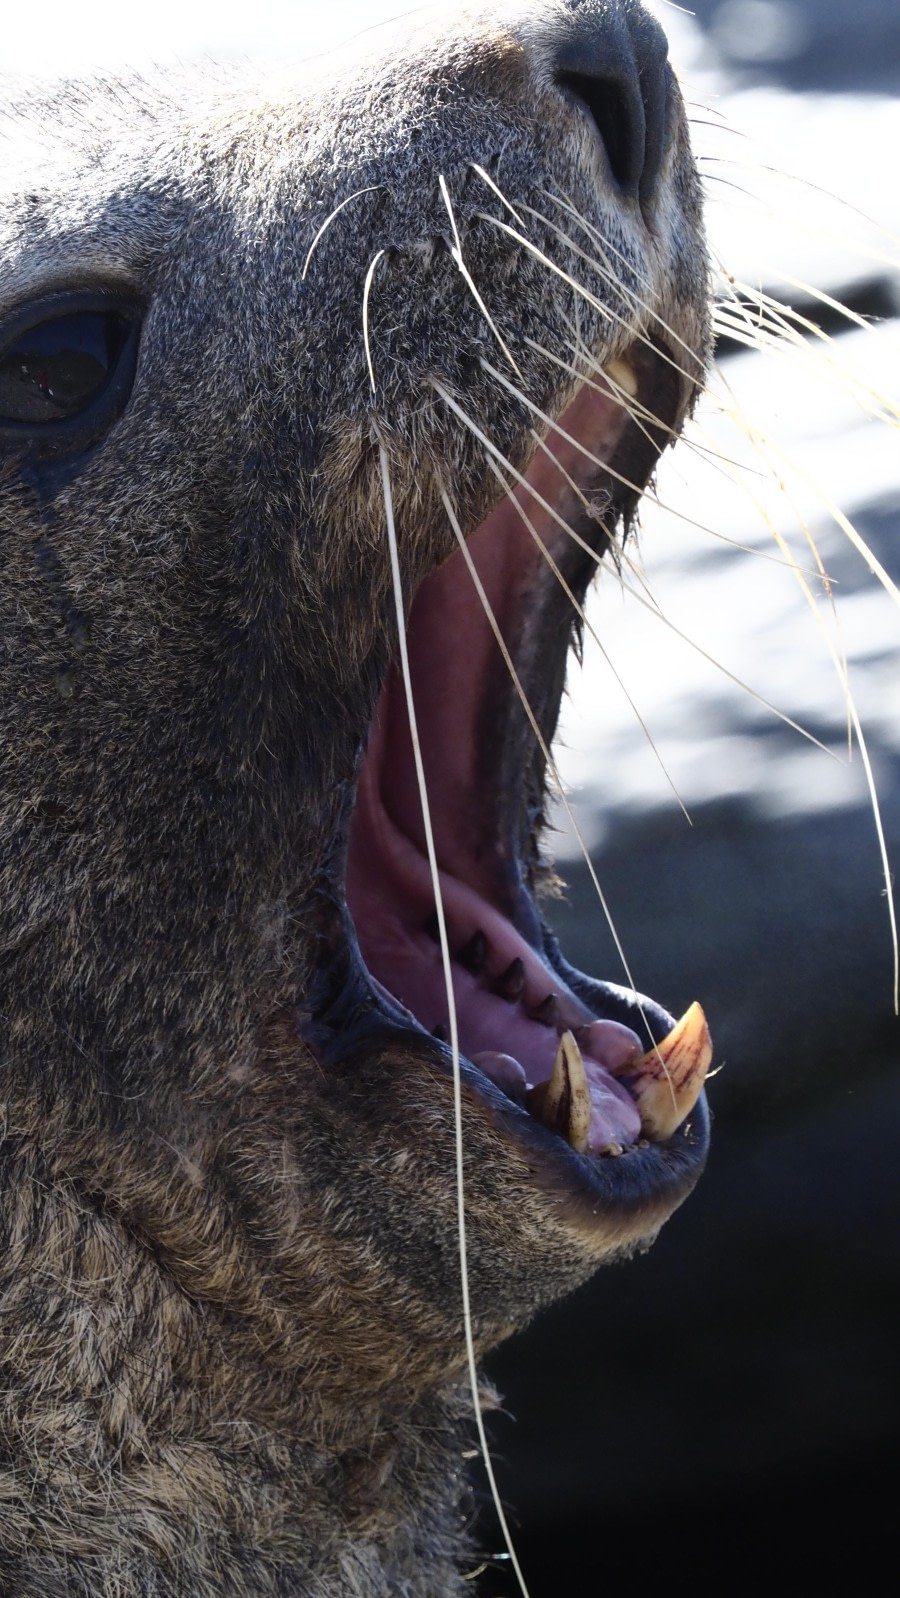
(666,1081)
(623,375)
(564,1102)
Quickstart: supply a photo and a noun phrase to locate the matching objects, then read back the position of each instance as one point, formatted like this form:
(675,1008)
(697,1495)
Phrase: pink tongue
(509,1045)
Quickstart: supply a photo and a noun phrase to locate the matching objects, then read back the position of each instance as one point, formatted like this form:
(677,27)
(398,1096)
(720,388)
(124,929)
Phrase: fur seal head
(235,312)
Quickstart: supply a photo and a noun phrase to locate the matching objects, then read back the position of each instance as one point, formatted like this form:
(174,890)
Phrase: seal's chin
(602,1071)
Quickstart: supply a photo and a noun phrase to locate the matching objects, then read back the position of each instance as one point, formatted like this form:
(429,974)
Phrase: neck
(180,1452)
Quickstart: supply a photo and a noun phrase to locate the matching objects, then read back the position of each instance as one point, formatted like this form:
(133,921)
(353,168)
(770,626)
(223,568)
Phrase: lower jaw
(510,1007)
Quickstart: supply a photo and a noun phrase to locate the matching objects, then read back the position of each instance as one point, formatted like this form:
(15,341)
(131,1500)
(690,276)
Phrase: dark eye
(58,367)
(67,365)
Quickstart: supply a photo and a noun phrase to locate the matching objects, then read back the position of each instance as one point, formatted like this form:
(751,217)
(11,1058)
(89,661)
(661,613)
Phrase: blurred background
(731,1401)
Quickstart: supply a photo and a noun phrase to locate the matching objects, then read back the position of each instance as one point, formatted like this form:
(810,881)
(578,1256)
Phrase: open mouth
(601,1071)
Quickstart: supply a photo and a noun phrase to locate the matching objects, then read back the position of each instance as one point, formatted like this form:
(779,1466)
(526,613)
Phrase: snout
(613,60)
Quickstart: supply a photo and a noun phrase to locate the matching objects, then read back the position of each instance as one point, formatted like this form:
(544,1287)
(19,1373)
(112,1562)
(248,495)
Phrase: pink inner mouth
(511,1005)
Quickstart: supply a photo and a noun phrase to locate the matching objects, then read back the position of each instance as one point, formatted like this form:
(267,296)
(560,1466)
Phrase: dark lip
(346,1014)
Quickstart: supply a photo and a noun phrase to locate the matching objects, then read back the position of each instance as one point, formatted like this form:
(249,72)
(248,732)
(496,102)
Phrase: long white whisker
(780,329)
(507,204)
(734,471)
(765,448)
(591,299)
(545,751)
(329,219)
(583,544)
(457,254)
(451,1005)
(844,523)
(597,461)
(708,454)
(797,224)
(367,288)
(882,847)
(605,268)
(579,611)
(638,412)
(552,266)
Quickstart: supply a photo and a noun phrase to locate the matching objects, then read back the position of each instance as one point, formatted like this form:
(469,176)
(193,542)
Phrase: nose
(612,56)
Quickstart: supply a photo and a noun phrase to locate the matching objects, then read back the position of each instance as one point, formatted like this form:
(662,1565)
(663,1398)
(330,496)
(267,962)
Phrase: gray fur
(230,1332)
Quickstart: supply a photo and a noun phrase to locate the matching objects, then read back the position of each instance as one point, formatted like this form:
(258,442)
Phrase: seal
(279,353)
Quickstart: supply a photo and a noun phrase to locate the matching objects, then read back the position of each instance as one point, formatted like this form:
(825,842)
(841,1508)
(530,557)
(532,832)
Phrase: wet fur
(230,1342)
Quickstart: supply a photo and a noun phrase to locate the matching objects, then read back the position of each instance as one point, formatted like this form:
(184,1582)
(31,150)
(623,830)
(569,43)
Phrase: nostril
(619,121)
(614,61)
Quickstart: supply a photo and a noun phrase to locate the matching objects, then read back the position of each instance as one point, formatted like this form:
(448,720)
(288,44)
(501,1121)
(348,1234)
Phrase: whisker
(834,511)
(329,219)
(552,266)
(839,660)
(764,444)
(781,323)
(451,1003)
(626,482)
(711,454)
(580,613)
(638,412)
(789,562)
(548,758)
(486,178)
(761,446)
(651,604)
(457,255)
(783,336)
(606,270)
(623,557)
(757,439)
(797,224)
(787,316)
(883,850)
(367,287)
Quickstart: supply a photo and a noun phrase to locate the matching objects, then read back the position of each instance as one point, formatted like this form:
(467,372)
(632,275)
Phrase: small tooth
(511,983)
(666,1081)
(564,1102)
(473,954)
(547,1012)
(623,375)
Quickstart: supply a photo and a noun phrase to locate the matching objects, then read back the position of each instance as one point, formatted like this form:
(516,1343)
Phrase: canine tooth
(622,374)
(473,954)
(666,1081)
(547,1012)
(564,1102)
(511,983)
